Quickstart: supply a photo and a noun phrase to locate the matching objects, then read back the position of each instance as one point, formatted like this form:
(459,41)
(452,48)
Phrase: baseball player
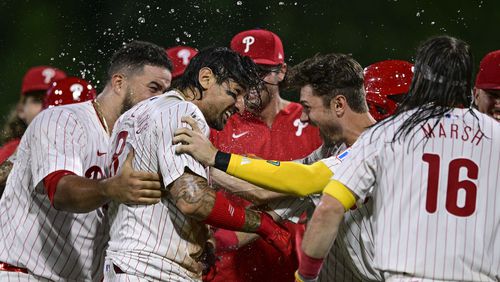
(180,57)
(487,88)
(53,223)
(166,241)
(270,128)
(431,170)
(67,91)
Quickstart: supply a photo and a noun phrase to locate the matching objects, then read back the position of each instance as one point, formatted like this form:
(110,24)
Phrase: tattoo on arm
(192,195)
(252,221)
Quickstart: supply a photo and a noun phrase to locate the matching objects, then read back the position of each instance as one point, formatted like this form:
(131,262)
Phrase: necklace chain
(98,110)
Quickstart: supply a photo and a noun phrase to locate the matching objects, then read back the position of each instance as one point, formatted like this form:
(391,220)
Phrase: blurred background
(80,36)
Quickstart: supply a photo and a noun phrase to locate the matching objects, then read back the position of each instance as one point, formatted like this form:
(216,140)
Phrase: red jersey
(287,139)
(8,149)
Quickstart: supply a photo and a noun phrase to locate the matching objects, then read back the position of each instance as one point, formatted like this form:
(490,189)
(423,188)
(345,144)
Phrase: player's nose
(240,103)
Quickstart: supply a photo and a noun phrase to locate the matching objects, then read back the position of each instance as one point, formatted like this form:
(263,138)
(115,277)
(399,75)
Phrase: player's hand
(300,278)
(133,187)
(275,235)
(194,142)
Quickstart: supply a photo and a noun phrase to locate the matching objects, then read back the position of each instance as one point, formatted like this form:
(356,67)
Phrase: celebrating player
(53,224)
(487,88)
(431,170)
(166,241)
(270,128)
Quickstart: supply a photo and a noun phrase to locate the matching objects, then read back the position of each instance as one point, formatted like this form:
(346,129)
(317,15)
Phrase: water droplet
(239,3)
(171,11)
(141,20)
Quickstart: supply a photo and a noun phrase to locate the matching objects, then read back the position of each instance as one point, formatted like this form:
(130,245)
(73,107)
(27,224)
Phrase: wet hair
(331,75)
(225,64)
(132,57)
(442,81)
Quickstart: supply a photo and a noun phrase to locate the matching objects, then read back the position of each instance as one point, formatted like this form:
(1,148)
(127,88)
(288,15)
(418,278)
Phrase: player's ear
(338,105)
(475,96)
(118,83)
(206,78)
(282,72)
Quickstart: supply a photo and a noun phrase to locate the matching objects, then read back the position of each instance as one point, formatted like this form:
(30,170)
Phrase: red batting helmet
(180,57)
(69,91)
(383,82)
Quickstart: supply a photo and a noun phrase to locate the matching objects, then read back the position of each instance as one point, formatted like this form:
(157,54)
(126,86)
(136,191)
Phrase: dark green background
(79,36)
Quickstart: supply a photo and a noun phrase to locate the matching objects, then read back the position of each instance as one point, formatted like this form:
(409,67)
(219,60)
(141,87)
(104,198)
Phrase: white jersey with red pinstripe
(435,194)
(53,244)
(157,241)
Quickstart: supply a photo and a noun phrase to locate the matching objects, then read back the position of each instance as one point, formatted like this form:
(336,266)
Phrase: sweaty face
(488,102)
(219,103)
(150,82)
(270,75)
(319,115)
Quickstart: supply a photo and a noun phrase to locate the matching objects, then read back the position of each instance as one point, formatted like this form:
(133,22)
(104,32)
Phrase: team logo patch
(275,163)
(344,154)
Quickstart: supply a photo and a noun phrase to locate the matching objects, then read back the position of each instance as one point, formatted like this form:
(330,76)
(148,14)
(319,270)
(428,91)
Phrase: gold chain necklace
(98,110)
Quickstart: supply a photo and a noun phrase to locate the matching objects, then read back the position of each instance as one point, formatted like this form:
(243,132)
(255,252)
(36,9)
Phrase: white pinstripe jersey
(54,244)
(351,257)
(435,195)
(156,241)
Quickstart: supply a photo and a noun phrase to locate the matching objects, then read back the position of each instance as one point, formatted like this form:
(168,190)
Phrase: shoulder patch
(344,154)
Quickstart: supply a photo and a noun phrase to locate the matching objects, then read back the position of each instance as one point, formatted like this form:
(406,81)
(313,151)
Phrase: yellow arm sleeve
(340,192)
(284,177)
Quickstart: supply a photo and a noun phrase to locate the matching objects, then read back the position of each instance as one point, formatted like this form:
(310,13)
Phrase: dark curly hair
(331,75)
(133,56)
(225,64)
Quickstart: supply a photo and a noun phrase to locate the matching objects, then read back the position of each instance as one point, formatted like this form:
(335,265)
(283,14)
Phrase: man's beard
(331,136)
(128,103)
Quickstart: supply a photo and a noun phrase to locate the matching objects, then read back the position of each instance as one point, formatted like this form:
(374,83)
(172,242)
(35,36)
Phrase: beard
(128,103)
(331,135)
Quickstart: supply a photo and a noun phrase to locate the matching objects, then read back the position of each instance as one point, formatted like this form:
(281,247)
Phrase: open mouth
(496,115)
(227,114)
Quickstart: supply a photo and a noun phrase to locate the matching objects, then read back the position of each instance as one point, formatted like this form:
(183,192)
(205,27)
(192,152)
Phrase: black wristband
(222,160)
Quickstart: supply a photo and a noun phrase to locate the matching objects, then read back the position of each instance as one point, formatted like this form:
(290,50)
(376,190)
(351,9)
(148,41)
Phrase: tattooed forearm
(5,169)
(252,221)
(192,195)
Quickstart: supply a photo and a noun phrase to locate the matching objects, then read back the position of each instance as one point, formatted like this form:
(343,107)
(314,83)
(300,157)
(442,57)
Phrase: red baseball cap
(262,46)
(488,76)
(40,78)
(180,57)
